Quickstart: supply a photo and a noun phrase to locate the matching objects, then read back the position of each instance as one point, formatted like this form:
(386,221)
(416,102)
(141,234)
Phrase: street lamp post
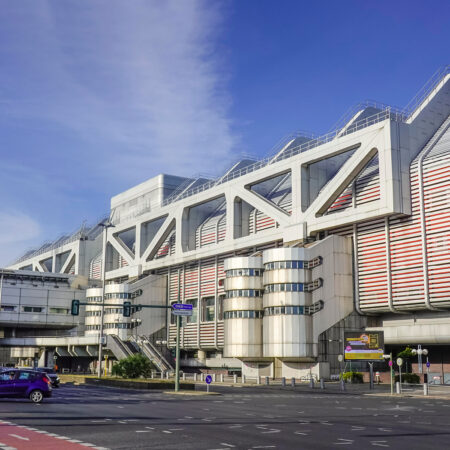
(136,323)
(106,224)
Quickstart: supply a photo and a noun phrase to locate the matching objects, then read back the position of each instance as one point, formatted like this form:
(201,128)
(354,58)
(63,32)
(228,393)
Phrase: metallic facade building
(275,255)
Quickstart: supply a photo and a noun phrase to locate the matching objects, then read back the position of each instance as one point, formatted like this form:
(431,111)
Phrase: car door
(7,380)
(22,382)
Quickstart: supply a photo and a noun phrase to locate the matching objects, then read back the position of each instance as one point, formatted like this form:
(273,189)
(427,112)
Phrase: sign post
(208,380)
(178,310)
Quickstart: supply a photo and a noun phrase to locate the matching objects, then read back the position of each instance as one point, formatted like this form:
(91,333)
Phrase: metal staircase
(152,353)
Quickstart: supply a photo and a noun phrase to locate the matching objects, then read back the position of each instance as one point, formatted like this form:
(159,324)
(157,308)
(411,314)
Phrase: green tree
(406,355)
(133,366)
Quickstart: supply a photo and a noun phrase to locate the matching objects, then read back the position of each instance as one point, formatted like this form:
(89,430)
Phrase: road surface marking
(379,443)
(167,431)
(19,437)
(344,442)
(142,431)
(227,445)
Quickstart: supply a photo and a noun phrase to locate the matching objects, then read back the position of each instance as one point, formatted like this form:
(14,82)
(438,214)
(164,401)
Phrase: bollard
(311,383)
(267,381)
(322,383)
(184,376)
(425,388)
(283,382)
(342,385)
(243,379)
(258,379)
(214,377)
(397,387)
(221,378)
(202,376)
(293,382)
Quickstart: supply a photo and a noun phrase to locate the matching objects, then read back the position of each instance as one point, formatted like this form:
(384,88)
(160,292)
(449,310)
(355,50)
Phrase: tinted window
(4,376)
(25,376)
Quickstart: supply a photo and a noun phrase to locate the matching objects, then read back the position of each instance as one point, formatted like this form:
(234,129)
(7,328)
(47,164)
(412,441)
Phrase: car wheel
(36,396)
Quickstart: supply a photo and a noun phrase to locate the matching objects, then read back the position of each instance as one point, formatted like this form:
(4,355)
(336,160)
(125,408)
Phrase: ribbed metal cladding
(243,307)
(287,330)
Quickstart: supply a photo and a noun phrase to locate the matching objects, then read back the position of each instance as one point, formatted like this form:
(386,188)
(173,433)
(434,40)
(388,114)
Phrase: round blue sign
(428,364)
(208,379)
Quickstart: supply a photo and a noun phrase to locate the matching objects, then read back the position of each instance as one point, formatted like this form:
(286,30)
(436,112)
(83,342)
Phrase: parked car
(26,383)
(54,378)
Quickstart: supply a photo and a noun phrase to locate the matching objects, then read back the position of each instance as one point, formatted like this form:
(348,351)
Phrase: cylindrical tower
(287,323)
(243,307)
(114,322)
(93,311)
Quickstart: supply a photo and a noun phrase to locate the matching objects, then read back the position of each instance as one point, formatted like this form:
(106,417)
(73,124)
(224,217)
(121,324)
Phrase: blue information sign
(208,379)
(182,306)
(428,364)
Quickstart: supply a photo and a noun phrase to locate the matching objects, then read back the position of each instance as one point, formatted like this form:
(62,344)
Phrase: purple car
(25,383)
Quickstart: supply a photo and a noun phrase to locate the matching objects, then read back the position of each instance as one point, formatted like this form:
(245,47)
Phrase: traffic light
(126,309)
(75,310)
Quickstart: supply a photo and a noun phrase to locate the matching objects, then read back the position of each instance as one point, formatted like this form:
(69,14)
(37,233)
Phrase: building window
(208,309)
(32,309)
(244,314)
(8,308)
(244,273)
(59,311)
(284,287)
(193,318)
(220,306)
(244,293)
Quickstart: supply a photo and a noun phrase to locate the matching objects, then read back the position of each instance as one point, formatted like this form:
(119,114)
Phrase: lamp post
(136,323)
(105,224)
(419,352)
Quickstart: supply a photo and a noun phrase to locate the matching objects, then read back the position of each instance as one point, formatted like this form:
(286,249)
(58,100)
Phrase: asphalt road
(239,418)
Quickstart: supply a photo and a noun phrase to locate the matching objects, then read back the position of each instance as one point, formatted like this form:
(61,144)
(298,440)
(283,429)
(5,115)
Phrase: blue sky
(98,96)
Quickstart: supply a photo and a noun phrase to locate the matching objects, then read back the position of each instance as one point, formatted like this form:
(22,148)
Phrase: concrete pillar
(184,376)
(152,374)
(234,379)
(162,375)
(322,383)
(311,383)
(267,381)
(243,379)
(293,382)
(195,377)
(202,377)
(214,377)
(201,356)
(221,378)
(258,379)
(397,387)
(283,381)
(425,389)
(167,375)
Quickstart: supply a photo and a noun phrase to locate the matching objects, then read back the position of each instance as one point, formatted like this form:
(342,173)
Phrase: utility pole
(106,224)
(177,356)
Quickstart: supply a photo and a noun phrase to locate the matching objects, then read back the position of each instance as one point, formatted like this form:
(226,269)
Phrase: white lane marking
(344,441)
(19,437)
(227,445)
(301,433)
(87,444)
(236,426)
(385,429)
(167,431)
(355,428)
(62,437)
(122,421)
(264,446)
(143,431)
(325,422)
(273,430)
(175,429)
(98,421)
(379,443)
(75,441)
(7,447)
(150,428)
(188,417)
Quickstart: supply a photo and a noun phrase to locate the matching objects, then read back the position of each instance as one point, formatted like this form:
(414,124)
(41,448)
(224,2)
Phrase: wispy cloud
(96,97)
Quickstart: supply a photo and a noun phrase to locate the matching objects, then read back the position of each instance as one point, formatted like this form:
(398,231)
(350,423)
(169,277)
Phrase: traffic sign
(182,309)
(399,361)
(182,312)
(390,363)
(182,306)
(208,379)
(428,364)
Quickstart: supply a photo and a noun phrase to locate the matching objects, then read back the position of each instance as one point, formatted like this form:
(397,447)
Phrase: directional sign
(182,309)
(428,364)
(208,379)
(182,312)
(182,306)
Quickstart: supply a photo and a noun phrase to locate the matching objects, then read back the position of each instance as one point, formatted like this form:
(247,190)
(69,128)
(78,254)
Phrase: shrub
(134,366)
(411,378)
(353,377)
